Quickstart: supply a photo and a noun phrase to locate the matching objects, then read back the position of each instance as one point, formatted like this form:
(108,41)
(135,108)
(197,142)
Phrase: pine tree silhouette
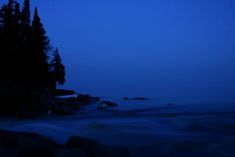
(24,42)
(57,69)
(24,48)
(40,46)
(8,37)
(25,15)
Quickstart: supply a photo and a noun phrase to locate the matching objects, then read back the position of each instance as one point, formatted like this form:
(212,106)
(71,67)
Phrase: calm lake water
(162,78)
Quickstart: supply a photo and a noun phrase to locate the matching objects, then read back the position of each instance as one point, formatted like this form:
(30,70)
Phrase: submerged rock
(170,104)
(102,106)
(135,98)
(109,103)
(140,98)
(106,104)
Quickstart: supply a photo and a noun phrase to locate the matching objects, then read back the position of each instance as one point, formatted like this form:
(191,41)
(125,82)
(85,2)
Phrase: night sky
(171,50)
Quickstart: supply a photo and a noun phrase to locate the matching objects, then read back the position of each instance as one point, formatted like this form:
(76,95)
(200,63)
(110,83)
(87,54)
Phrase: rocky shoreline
(62,102)
(20,144)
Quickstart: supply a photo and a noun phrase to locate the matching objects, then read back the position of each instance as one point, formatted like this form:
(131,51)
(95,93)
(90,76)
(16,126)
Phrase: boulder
(102,151)
(83,147)
(26,144)
(106,104)
(102,106)
(109,103)
(8,152)
(85,99)
(70,152)
(81,142)
(66,106)
(16,144)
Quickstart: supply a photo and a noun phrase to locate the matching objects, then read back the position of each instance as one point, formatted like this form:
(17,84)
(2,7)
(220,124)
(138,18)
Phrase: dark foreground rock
(25,102)
(14,144)
(85,99)
(67,106)
(60,92)
(25,144)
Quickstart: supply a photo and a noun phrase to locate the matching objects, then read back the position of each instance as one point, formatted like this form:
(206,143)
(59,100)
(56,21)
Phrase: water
(178,130)
(154,77)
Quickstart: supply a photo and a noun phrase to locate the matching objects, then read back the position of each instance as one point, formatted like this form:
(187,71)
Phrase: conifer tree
(7,17)
(18,45)
(57,68)
(1,27)
(40,46)
(25,36)
(17,14)
(3,53)
(25,15)
(24,50)
(1,41)
(1,18)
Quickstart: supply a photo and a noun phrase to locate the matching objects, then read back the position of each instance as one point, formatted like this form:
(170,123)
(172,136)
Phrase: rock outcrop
(15,144)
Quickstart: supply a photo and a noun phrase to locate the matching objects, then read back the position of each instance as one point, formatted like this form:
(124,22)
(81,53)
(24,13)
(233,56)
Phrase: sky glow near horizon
(173,50)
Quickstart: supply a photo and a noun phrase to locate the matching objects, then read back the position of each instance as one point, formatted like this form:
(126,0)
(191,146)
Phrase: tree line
(25,48)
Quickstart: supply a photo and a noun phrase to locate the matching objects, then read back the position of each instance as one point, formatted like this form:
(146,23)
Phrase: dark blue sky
(177,50)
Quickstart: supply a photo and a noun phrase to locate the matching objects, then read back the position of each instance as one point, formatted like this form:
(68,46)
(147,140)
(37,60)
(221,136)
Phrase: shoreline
(161,130)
